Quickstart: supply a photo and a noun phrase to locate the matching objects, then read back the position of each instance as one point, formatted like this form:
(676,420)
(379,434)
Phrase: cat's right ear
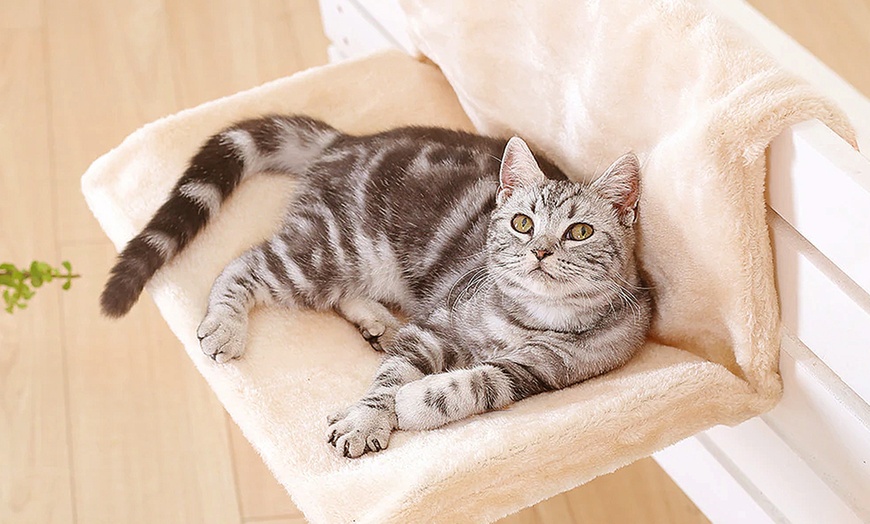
(518,169)
(620,184)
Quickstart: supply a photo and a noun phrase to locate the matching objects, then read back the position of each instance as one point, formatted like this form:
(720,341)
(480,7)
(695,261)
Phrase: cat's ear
(620,184)
(518,169)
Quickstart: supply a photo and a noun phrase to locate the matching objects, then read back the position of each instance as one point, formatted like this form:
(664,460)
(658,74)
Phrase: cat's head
(555,239)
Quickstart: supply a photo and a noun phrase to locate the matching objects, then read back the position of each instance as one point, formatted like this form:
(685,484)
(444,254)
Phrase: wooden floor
(108,421)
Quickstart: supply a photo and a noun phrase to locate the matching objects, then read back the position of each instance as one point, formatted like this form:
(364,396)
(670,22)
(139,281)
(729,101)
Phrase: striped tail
(287,144)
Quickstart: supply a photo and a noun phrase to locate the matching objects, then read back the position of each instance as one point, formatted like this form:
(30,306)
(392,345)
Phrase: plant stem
(26,274)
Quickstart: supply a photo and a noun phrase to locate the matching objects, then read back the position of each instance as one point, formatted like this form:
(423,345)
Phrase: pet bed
(583,82)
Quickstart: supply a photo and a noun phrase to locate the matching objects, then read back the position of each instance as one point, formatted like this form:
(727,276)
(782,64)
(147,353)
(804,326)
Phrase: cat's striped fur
(419,220)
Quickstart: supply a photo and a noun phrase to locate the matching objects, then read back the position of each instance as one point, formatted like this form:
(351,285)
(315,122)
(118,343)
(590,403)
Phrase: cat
(513,280)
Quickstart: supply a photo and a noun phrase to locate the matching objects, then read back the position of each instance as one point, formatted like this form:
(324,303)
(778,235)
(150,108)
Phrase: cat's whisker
(472,273)
(627,297)
(471,290)
(628,285)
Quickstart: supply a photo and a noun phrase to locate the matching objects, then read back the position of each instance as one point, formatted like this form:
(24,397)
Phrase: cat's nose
(541,254)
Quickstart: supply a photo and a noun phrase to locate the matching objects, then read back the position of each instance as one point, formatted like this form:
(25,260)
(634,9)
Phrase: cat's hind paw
(378,335)
(222,336)
(360,429)
(375,322)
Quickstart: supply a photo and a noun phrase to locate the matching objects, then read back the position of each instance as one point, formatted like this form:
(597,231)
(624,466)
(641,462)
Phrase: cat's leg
(367,424)
(435,400)
(375,322)
(244,283)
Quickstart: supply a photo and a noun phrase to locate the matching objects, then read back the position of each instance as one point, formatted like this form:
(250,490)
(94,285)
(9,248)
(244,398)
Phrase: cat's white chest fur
(562,317)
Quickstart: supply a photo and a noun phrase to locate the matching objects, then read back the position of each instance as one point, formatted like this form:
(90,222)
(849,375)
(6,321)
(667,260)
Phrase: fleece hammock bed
(583,82)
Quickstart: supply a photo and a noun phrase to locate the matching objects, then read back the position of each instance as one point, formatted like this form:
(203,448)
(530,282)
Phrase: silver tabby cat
(513,280)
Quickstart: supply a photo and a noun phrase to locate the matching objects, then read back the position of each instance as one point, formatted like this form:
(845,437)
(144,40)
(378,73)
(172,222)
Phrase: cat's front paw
(222,335)
(360,429)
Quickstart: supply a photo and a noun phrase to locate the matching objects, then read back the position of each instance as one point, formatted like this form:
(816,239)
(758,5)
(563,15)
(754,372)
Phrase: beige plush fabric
(696,106)
(588,81)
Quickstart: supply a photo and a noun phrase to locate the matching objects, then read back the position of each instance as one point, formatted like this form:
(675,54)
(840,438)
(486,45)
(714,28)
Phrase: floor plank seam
(81,243)
(52,172)
(267,518)
(227,421)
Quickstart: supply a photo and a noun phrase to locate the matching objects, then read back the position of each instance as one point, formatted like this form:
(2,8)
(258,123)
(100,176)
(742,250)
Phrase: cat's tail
(286,144)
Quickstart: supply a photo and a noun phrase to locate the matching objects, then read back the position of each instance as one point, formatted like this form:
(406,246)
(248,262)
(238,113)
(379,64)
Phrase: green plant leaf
(36,274)
(21,283)
(44,269)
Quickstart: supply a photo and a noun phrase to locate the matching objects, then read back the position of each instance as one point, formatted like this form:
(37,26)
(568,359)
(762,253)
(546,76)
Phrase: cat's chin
(544,277)
(541,273)
(537,283)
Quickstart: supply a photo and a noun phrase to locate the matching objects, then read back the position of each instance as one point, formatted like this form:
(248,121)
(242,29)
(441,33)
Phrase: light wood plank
(836,31)
(249,43)
(149,438)
(639,493)
(18,14)
(306,37)
(149,442)
(526,516)
(278,520)
(35,483)
(309,41)
(260,495)
(554,510)
(109,74)
(224,66)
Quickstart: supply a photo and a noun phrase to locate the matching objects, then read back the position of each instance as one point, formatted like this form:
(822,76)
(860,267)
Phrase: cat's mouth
(539,270)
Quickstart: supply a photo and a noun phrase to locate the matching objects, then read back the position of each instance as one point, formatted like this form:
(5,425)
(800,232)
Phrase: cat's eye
(521,223)
(579,231)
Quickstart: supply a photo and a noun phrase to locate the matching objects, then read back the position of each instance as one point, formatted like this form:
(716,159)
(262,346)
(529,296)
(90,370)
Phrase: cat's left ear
(620,184)
(518,169)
